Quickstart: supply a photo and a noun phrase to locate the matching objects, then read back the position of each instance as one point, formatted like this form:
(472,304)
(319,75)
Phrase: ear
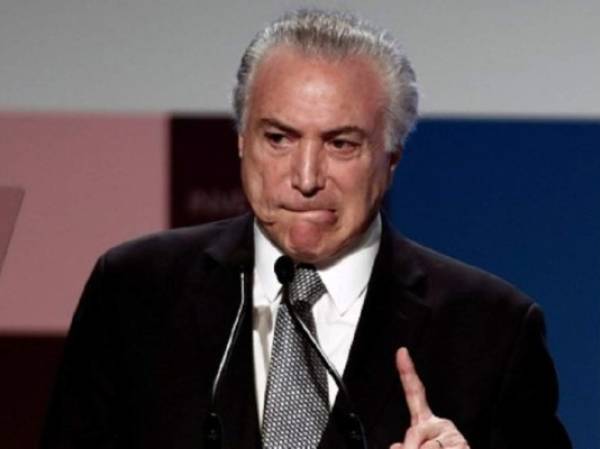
(240,144)
(395,157)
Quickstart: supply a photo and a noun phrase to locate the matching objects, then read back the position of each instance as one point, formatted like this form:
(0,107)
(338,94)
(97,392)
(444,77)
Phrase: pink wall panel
(90,181)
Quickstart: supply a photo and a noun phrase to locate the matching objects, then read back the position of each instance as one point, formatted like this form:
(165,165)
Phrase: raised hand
(426,430)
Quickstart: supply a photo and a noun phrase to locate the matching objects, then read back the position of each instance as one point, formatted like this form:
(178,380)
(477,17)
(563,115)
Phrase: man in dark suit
(324,103)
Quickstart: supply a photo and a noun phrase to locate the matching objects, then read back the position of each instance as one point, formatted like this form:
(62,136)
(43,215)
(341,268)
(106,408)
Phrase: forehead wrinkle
(318,79)
(385,111)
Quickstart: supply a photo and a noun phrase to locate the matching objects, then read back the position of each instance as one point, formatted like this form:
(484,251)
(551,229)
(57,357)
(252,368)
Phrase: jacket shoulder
(166,247)
(446,278)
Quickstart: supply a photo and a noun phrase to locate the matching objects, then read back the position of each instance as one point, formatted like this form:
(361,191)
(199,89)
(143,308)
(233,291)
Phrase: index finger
(414,390)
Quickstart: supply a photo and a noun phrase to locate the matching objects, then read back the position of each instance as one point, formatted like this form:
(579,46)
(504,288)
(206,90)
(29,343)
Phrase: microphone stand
(213,426)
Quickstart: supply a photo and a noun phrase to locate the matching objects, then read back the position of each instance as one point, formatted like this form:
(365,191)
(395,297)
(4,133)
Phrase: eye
(344,146)
(277,139)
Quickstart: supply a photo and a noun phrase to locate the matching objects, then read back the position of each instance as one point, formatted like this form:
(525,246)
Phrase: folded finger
(423,435)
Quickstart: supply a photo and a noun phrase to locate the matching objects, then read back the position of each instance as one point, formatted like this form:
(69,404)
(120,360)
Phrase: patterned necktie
(297,402)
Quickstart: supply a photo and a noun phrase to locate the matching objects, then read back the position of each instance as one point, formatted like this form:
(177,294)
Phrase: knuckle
(413,432)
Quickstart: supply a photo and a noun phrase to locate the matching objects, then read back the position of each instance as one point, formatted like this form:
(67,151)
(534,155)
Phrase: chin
(311,255)
(306,255)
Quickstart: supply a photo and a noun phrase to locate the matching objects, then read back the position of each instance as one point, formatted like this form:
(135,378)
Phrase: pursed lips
(313,213)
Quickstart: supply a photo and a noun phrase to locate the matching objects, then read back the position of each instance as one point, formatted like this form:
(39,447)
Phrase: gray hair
(337,35)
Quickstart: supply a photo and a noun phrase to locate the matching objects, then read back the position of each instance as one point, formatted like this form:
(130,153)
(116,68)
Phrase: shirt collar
(265,255)
(345,279)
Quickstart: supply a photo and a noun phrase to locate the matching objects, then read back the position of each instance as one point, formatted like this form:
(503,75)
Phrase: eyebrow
(349,129)
(277,124)
(345,130)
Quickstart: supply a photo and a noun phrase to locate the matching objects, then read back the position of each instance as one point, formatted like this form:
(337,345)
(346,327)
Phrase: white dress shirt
(336,312)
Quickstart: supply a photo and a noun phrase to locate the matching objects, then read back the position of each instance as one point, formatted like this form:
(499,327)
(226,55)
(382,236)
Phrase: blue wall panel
(520,198)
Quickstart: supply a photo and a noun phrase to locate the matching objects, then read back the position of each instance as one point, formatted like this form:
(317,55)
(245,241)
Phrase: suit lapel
(392,316)
(214,287)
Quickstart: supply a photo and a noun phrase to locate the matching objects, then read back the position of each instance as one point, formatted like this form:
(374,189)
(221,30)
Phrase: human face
(312,153)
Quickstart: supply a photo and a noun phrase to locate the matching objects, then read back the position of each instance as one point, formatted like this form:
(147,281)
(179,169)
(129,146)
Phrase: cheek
(364,191)
(355,183)
(258,179)
(251,180)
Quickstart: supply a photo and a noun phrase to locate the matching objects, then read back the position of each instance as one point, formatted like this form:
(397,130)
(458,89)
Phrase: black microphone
(213,427)
(285,270)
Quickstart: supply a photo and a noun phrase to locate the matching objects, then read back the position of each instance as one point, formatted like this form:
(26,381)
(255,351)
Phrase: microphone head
(284,269)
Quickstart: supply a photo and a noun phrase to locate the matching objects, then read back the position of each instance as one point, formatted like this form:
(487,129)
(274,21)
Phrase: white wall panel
(472,57)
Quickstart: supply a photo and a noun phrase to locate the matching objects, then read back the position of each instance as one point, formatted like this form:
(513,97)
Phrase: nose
(308,168)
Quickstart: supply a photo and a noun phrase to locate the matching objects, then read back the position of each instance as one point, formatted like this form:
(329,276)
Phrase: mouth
(313,214)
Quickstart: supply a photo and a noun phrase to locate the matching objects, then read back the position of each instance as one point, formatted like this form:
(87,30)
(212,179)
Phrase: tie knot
(307,286)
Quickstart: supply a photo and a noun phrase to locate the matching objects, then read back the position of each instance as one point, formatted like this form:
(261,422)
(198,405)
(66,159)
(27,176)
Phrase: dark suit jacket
(155,315)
